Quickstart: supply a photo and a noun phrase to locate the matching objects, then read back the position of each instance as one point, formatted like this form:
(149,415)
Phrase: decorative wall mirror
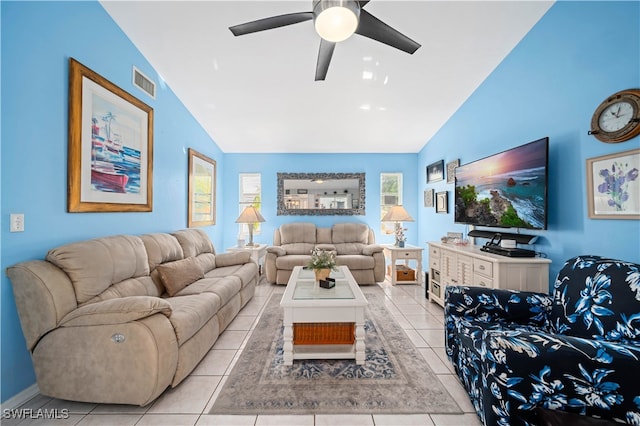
(316,194)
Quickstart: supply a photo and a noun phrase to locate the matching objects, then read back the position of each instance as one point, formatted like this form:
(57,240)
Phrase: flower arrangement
(322,259)
(399,233)
(615,184)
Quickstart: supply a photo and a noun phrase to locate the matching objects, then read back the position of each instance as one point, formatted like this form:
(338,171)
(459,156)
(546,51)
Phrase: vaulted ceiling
(256,93)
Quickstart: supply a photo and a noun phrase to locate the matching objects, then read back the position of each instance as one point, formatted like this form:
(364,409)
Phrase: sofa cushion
(291,233)
(246,272)
(350,238)
(232,258)
(597,297)
(288,262)
(116,311)
(350,233)
(138,286)
(191,312)
(161,248)
(225,288)
(94,265)
(298,248)
(178,274)
(356,261)
(194,242)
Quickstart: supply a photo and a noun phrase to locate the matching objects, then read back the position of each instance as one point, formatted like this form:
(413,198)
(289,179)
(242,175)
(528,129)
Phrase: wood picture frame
(451,170)
(110,151)
(442,202)
(428,197)
(613,186)
(435,171)
(201,210)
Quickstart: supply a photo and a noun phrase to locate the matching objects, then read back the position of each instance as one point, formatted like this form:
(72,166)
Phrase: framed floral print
(110,158)
(613,186)
(202,190)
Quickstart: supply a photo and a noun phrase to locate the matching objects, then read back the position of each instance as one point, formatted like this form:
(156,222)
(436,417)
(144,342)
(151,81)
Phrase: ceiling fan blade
(270,23)
(324,58)
(375,29)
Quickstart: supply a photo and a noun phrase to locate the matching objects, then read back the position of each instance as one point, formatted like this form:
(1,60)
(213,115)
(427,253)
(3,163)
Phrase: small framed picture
(428,197)
(442,202)
(613,186)
(435,171)
(201,210)
(451,170)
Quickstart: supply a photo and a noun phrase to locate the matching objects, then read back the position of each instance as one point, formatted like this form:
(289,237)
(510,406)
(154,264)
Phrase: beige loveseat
(119,319)
(354,244)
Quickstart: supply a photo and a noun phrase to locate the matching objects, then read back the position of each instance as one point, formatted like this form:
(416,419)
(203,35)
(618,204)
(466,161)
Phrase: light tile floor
(189,403)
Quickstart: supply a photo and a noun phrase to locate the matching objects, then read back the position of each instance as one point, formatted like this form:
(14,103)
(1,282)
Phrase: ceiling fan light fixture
(336,20)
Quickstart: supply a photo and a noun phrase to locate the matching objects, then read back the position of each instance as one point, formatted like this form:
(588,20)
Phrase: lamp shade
(250,215)
(397,214)
(336,20)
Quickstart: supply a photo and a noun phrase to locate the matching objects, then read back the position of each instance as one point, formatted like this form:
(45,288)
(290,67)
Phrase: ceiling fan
(334,21)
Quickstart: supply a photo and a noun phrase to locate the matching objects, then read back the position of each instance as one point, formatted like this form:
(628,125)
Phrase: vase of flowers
(322,262)
(399,233)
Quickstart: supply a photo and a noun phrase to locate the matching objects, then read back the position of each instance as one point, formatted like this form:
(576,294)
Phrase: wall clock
(617,118)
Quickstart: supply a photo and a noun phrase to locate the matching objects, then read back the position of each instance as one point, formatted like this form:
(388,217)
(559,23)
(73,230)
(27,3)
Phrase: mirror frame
(283,211)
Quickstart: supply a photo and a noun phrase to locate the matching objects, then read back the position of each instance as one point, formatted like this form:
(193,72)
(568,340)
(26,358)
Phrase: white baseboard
(22,397)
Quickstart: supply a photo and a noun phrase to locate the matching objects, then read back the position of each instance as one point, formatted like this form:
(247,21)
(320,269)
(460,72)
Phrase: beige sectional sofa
(119,319)
(353,243)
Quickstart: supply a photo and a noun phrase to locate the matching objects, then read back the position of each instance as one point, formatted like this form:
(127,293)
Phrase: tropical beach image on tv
(508,189)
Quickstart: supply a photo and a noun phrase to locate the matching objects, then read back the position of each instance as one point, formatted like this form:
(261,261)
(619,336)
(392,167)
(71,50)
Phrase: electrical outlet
(17,222)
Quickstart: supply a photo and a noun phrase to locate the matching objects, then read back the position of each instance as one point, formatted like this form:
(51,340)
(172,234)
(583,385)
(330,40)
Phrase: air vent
(144,83)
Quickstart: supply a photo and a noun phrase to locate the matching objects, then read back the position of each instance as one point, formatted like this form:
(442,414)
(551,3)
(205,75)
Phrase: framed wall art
(202,190)
(428,197)
(613,186)
(442,202)
(110,157)
(451,170)
(435,171)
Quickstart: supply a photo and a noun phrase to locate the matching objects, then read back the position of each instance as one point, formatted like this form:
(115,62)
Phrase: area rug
(395,378)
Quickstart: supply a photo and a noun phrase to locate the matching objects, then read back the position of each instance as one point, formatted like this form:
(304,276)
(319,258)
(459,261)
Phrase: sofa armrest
(371,249)
(491,305)
(232,258)
(278,251)
(116,311)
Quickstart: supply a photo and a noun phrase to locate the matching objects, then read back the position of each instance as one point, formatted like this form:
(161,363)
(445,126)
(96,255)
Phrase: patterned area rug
(395,378)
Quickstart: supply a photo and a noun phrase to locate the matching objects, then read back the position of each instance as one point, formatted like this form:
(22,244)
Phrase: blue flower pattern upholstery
(577,350)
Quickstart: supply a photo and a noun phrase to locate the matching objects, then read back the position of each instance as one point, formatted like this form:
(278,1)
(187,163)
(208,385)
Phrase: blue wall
(578,54)
(268,165)
(37,40)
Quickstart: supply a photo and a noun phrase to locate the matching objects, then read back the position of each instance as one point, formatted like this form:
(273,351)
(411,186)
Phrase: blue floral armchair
(577,350)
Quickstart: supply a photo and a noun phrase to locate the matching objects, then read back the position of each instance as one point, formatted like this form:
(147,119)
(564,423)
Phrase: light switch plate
(17,222)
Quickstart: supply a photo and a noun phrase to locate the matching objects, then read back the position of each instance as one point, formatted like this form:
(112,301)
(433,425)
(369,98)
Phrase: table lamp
(250,216)
(398,214)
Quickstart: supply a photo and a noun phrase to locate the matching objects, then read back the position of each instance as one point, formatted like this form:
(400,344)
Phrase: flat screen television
(505,190)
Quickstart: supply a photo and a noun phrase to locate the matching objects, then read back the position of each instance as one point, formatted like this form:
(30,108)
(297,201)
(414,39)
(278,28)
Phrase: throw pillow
(178,274)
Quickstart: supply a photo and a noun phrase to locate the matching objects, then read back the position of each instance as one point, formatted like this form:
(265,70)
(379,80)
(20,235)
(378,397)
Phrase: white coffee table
(323,323)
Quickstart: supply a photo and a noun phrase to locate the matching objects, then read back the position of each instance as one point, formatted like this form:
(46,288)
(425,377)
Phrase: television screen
(508,189)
